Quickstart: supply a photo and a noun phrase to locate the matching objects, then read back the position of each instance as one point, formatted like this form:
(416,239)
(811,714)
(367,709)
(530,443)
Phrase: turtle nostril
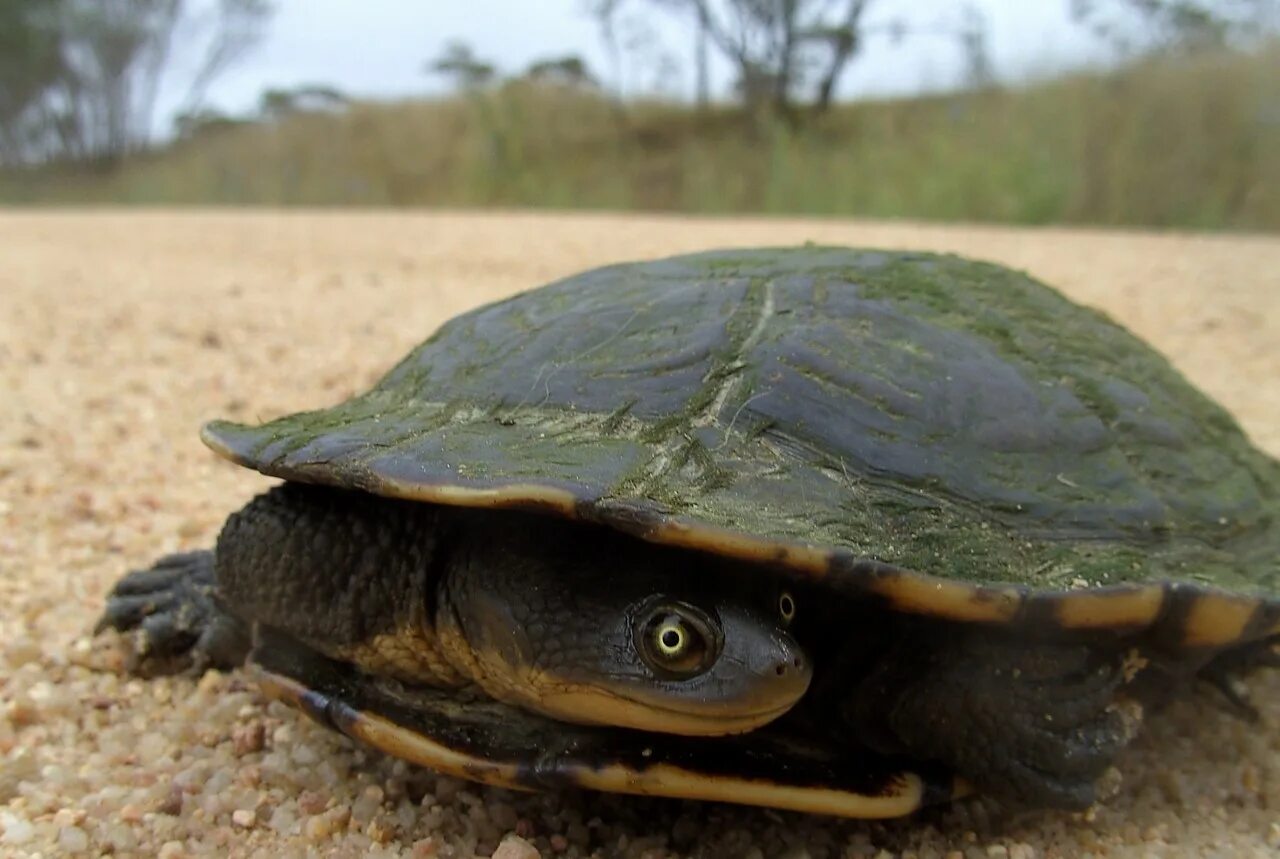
(783,667)
(791,667)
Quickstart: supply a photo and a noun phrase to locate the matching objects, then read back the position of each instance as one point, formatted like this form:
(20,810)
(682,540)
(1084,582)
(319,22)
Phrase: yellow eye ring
(787,607)
(671,639)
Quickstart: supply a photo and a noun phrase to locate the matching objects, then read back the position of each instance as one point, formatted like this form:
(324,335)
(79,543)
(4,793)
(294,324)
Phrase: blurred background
(1160,113)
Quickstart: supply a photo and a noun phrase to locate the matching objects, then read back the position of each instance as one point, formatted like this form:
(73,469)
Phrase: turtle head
(588,626)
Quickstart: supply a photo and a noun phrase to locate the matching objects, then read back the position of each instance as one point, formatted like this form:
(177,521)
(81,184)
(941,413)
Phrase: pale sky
(378,48)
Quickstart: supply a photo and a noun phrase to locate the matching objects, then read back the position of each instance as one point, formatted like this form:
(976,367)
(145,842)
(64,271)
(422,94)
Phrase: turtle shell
(950,435)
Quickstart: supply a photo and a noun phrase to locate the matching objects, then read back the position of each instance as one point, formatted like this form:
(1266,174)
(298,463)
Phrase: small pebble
(69,817)
(283,820)
(15,770)
(312,802)
(515,847)
(210,682)
(425,848)
(380,831)
(318,828)
(172,803)
(22,651)
(447,788)
(22,712)
(73,839)
(15,829)
(246,739)
(503,815)
(121,838)
(304,755)
(340,814)
(243,817)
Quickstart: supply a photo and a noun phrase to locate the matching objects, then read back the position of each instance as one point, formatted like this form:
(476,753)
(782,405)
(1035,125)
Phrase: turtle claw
(161,575)
(1226,671)
(144,593)
(172,611)
(124,613)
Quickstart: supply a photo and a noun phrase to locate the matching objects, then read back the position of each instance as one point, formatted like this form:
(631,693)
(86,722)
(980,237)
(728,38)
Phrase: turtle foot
(1032,725)
(174,614)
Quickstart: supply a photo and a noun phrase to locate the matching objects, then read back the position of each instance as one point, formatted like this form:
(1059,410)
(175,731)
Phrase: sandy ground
(121,333)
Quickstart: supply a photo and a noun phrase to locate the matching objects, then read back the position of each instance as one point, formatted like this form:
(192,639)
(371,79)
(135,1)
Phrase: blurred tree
(1144,26)
(638,60)
(81,77)
(973,32)
(605,13)
(115,52)
(701,46)
(30,64)
(204,122)
(277,103)
(459,63)
(236,28)
(470,75)
(702,61)
(569,71)
(787,52)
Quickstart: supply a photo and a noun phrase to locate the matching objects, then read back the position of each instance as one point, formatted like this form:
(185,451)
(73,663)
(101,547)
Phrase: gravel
(121,331)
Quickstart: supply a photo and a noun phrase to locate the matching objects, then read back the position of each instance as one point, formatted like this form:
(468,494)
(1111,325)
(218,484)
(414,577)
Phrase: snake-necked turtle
(822,529)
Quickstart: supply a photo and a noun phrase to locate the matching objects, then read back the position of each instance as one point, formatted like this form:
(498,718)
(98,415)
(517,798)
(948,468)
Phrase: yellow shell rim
(660,780)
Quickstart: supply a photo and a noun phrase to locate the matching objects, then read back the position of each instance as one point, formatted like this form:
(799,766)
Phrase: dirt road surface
(121,332)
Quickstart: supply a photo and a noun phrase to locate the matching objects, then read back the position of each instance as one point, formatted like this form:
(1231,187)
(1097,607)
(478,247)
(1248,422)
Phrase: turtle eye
(676,640)
(787,607)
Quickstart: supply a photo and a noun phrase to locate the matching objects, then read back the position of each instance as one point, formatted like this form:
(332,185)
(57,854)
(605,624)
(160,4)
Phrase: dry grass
(1178,142)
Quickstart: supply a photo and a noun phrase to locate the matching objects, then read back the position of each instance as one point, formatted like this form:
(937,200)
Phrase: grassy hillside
(1191,143)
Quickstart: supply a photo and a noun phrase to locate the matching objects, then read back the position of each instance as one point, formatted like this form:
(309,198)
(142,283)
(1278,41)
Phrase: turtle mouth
(763,679)
(609,708)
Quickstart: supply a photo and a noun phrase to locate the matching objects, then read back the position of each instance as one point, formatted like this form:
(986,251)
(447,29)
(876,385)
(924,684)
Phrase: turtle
(832,530)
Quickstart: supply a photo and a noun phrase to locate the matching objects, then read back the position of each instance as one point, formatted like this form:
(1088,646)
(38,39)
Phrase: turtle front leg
(1031,724)
(177,618)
